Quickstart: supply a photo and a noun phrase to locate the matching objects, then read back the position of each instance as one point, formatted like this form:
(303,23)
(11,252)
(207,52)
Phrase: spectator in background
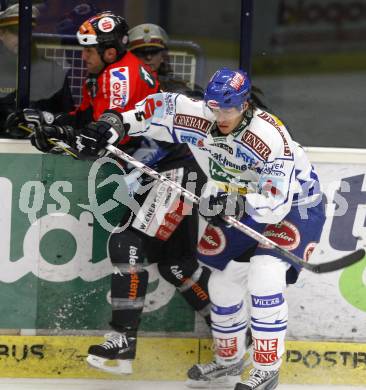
(72,20)
(149,42)
(51,94)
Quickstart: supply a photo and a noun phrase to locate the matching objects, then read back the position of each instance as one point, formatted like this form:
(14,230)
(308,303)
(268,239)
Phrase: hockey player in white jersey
(261,177)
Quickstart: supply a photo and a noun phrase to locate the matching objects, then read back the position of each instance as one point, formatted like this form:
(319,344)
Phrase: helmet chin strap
(120,53)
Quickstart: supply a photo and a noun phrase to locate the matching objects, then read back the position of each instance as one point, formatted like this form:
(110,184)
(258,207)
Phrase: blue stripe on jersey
(260,329)
(228,329)
(277,322)
(220,310)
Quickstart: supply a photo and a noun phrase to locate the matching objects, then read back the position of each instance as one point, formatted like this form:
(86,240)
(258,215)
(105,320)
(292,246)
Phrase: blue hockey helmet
(227,88)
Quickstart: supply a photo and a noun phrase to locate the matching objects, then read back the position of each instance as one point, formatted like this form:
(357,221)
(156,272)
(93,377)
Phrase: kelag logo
(345,233)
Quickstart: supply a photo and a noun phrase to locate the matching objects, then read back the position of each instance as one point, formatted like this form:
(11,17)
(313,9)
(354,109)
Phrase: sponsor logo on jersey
(147,77)
(270,187)
(222,160)
(246,158)
(171,220)
(152,106)
(309,249)
(267,301)
(192,122)
(151,203)
(224,146)
(276,123)
(119,87)
(219,175)
(284,234)
(256,144)
(169,104)
(265,351)
(226,347)
(213,241)
(274,169)
(190,139)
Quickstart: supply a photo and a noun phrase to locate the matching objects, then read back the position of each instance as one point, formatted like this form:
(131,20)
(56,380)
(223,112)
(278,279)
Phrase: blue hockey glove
(215,208)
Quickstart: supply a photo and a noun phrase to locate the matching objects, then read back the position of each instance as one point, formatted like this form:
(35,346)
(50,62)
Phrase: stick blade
(338,264)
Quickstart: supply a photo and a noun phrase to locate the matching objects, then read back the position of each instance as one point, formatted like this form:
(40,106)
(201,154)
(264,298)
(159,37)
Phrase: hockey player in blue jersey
(259,175)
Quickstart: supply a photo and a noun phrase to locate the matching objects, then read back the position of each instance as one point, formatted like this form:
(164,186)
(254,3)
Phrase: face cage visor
(218,114)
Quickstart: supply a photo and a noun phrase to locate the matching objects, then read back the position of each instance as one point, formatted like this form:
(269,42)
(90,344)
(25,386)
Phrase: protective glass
(222,114)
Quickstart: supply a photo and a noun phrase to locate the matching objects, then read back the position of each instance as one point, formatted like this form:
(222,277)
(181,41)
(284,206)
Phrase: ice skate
(115,355)
(212,375)
(259,380)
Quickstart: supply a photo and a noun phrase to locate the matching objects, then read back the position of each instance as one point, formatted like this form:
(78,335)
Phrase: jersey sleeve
(154,117)
(272,198)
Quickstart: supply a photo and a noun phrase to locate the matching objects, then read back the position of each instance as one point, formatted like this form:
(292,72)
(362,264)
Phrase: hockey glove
(108,130)
(28,117)
(215,208)
(42,134)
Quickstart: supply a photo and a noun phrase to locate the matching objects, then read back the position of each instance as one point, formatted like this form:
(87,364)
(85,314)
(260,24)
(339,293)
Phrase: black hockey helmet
(103,31)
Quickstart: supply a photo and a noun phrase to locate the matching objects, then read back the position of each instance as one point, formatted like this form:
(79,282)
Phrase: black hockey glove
(29,118)
(42,134)
(108,130)
(215,208)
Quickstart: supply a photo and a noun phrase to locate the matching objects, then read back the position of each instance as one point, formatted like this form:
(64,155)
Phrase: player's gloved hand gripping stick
(324,267)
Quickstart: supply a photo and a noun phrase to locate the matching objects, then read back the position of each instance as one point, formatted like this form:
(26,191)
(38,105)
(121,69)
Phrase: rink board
(56,269)
(169,359)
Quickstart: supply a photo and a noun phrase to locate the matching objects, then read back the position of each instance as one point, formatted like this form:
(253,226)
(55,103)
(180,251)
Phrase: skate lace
(206,368)
(256,377)
(115,341)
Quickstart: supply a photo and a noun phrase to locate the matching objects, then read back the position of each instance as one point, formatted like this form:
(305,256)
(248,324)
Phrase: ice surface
(73,384)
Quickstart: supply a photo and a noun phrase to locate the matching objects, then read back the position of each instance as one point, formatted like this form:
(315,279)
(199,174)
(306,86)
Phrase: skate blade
(222,382)
(122,367)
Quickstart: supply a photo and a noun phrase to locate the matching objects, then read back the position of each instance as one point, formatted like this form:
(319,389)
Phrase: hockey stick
(66,148)
(329,266)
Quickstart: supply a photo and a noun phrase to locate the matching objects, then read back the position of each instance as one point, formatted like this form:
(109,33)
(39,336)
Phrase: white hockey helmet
(104,30)
(147,35)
